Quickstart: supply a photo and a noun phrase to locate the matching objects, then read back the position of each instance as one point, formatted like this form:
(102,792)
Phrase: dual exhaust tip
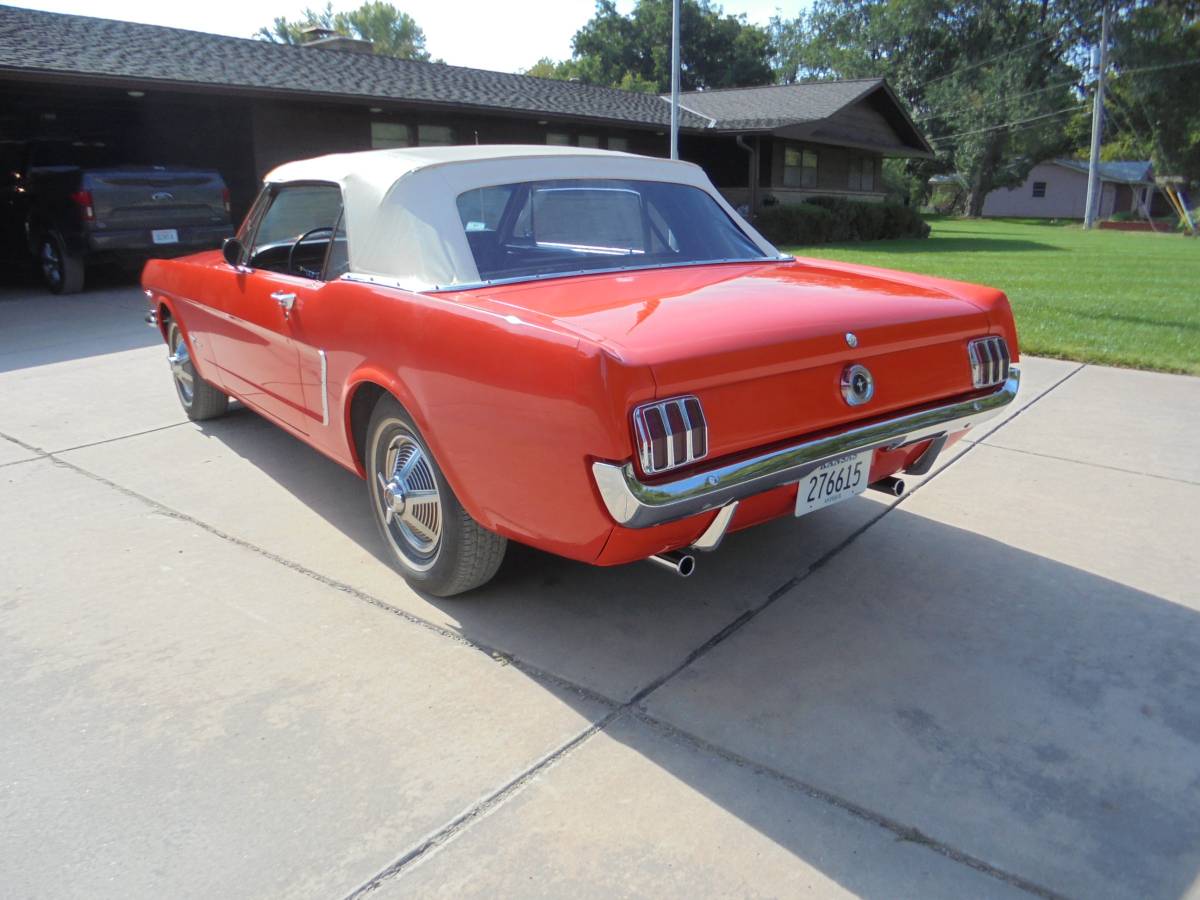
(890,485)
(684,564)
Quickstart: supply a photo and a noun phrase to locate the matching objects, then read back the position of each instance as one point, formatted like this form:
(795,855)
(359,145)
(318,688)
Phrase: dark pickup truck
(74,210)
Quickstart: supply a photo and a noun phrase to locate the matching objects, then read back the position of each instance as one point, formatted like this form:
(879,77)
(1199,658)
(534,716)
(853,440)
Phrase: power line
(984,62)
(935,113)
(1170,65)
(1048,115)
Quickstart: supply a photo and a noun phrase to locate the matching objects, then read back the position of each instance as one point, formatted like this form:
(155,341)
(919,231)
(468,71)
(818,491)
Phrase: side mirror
(234,251)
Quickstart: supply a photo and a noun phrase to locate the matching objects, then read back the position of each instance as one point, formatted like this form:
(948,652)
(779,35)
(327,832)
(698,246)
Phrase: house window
(799,167)
(862,174)
(435,135)
(558,138)
(619,143)
(385,135)
(587,140)
(1039,189)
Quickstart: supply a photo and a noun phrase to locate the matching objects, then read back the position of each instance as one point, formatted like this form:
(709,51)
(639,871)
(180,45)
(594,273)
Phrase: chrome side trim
(385,281)
(324,388)
(635,504)
(152,318)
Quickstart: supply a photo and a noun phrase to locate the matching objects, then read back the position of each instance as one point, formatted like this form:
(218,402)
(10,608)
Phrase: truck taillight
(225,199)
(83,199)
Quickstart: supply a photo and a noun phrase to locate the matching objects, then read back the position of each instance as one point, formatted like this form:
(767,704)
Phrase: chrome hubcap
(181,367)
(51,264)
(409,502)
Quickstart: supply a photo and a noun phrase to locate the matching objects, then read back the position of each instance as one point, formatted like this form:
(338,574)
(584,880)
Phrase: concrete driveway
(214,687)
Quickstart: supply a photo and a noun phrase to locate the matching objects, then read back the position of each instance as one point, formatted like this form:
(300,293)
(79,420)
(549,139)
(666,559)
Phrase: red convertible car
(584,351)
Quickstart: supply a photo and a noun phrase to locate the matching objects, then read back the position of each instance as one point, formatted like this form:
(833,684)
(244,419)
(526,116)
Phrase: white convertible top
(401,215)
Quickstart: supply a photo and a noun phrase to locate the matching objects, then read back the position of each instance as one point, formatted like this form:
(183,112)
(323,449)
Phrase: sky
(505,35)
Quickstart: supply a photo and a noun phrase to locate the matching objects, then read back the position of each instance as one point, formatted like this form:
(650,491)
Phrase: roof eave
(53,76)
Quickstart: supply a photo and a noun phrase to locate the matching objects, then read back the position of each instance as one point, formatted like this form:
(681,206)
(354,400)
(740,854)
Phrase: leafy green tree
(990,82)
(563,70)
(634,51)
(1151,109)
(392,32)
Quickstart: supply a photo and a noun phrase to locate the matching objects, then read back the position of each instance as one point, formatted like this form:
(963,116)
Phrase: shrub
(800,223)
(823,220)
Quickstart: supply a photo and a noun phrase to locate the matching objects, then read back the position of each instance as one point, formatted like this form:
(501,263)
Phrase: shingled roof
(776,105)
(33,42)
(1125,171)
(814,110)
(129,54)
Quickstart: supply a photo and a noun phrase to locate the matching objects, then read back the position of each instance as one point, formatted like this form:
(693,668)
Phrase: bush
(800,223)
(824,220)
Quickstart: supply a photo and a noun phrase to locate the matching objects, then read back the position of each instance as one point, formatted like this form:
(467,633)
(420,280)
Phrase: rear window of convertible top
(536,228)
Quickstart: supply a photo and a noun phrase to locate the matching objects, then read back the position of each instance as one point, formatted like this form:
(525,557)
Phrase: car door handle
(285,300)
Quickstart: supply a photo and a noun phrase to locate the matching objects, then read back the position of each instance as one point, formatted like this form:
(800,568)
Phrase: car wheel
(61,271)
(200,400)
(430,538)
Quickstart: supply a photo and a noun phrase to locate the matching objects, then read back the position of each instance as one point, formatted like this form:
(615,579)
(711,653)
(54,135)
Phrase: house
(166,95)
(1057,189)
(825,138)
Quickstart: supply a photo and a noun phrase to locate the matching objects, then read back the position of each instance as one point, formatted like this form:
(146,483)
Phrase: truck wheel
(62,271)
(431,540)
(199,399)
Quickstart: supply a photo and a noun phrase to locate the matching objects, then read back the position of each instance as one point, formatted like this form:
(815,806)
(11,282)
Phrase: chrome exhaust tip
(890,485)
(682,564)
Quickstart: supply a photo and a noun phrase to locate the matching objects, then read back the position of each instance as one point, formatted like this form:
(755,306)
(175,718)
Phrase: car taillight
(225,199)
(83,199)
(989,358)
(670,433)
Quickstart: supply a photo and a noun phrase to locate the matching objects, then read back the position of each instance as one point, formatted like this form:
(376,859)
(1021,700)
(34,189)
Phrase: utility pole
(1092,210)
(675,79)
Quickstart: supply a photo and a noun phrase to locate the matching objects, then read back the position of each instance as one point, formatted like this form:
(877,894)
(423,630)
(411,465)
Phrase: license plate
(164,236)
(833,481)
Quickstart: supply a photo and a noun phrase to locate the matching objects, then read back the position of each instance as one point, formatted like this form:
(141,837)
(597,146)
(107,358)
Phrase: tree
(390,31)
(634,51)
(1150,95)
(563,70)
(989,82)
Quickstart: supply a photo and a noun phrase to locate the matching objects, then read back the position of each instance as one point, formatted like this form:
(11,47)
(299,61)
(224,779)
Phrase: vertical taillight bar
(670,433)
(989,359)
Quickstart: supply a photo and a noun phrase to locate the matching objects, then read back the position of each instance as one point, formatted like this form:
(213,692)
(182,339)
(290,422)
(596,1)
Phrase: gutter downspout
(753,173)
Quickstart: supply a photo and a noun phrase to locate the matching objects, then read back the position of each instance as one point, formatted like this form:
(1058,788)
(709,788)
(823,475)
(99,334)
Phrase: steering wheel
(291,260)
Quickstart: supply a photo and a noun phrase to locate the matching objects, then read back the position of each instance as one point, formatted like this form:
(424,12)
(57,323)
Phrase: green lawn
(1120,298)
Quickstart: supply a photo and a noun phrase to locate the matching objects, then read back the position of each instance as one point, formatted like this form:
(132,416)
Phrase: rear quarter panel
(514,411)
(990,300)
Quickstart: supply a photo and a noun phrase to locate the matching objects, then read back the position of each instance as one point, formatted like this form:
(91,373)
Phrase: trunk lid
(764,345)
(156,197)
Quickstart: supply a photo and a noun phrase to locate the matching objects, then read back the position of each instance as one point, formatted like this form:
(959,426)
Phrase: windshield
(550,227)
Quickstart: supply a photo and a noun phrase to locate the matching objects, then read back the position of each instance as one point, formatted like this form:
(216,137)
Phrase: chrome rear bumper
(634,504)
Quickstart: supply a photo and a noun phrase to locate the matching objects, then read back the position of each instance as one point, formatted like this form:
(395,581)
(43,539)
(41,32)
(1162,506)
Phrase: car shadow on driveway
(1024,712)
